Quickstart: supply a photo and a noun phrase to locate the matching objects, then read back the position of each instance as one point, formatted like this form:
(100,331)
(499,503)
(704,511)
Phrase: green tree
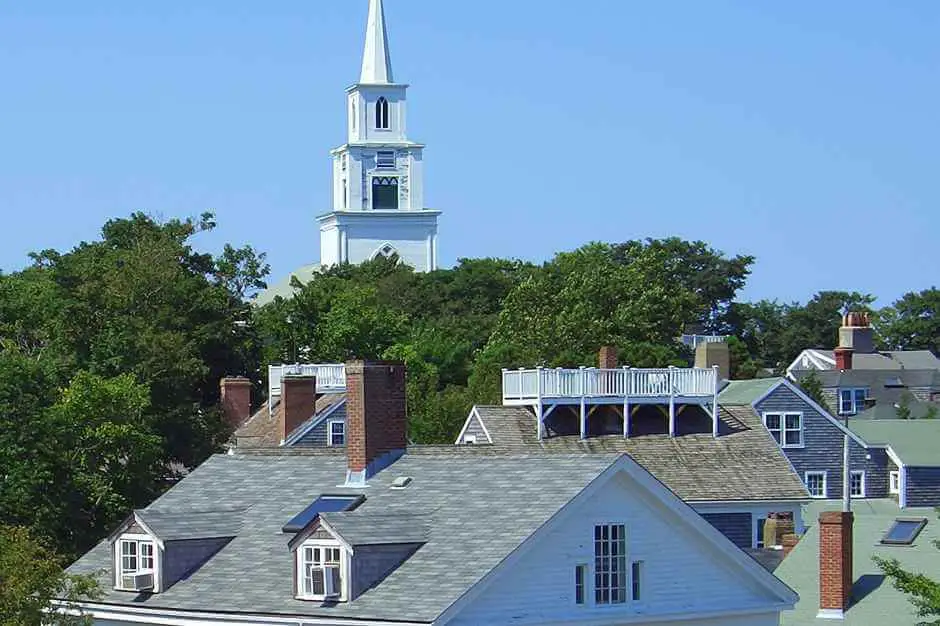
(913,322)
(32,583)
(812,386)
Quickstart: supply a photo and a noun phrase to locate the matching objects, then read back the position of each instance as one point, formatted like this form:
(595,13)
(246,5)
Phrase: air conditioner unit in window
(142,581)
(331,582)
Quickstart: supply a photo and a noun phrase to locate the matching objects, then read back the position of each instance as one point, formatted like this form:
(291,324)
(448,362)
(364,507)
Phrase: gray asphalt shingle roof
(461,494)
(188,524)
(744,463)
(359,529)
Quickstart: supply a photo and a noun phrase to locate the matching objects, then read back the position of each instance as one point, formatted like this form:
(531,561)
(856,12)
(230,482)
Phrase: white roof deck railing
(331,377)
(538,383)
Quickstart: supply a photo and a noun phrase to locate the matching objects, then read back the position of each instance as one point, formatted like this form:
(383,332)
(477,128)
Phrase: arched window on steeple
(381,114)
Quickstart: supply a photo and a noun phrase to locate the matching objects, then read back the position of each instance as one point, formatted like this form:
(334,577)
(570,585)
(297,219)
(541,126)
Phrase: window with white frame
(852,400)
(580,575)
(610,564)
(381,114)
(857,484)
(636,575)
(786,428)
(320,576)
(134,556)
(337,434)
(816,484)
(894,482)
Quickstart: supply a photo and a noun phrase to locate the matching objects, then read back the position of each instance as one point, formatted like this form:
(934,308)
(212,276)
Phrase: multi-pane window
(857,484)
(337,434)
(136,556)
(381,114)
(852,401)
(816,484)
(579,574)
(610,564)
(786,428)
(636,575)
(320,569)
(385,159)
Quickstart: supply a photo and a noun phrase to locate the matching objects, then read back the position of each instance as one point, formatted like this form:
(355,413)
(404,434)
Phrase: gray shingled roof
(359,529)
(891,360)
(463,494)
(174,525)
(744,463)
(875,379)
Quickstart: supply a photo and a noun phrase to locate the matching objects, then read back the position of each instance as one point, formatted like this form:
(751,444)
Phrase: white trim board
(463,431)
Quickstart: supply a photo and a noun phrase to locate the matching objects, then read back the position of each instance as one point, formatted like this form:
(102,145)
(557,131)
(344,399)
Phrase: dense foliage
(31,578)
(111,353)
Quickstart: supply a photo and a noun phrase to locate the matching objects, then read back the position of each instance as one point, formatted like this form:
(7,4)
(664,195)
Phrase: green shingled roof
(914,441)
(746,391)
(874,601)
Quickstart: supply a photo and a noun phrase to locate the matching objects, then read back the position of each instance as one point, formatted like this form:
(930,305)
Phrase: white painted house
(378,175)
(386,534)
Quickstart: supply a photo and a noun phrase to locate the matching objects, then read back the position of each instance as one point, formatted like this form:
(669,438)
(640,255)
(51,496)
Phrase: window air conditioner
(142,581)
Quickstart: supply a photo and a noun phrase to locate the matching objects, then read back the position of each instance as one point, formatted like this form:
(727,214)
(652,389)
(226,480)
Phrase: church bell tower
(378,174)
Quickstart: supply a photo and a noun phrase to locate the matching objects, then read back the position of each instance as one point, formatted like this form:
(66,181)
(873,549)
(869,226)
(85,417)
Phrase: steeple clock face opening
(385,193)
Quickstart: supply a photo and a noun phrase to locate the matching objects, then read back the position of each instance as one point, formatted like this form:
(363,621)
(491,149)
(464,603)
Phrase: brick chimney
(376,418)
(607,358)
(835,563)
(856,333)
(789,542)
(298,403)
(843,358)
(235,400)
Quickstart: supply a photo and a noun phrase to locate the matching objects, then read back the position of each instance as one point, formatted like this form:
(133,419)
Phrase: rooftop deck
(331,377)
(545,389)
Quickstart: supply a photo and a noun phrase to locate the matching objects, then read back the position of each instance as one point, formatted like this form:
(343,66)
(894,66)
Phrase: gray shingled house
(380,533)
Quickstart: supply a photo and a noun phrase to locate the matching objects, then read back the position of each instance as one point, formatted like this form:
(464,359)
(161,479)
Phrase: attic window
(135,564)
(323,504)
(321,575)
(904,531)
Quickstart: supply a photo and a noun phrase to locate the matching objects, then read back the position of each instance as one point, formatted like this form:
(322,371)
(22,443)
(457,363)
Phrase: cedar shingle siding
(735,526)
(923,486)
(317,437)
(822,447)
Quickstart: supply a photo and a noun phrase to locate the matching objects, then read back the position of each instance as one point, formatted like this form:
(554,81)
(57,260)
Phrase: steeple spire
(376,61)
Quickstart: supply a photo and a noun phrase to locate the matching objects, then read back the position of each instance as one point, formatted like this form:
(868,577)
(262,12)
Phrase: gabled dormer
(154,549)
(339,555)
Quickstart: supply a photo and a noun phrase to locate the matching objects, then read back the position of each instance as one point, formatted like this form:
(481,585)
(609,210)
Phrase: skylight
(323,504)
(904,531)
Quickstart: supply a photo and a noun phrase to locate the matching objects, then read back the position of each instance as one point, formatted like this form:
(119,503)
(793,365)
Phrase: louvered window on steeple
(381,114)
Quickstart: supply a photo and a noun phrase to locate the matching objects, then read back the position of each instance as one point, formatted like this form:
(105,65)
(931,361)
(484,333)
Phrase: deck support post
(540,424)
(672,415)
(583,419)
(715,411)
(626,417)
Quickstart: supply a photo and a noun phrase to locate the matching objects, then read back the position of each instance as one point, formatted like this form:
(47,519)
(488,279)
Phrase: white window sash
(823,487)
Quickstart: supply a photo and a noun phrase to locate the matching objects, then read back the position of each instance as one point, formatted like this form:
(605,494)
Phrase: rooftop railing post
(715,410)
(626,402)
(672,402)
(583,415)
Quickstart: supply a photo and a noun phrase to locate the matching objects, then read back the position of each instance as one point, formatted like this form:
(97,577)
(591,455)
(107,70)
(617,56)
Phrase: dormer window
(136,563)
(381,114)
(321,572)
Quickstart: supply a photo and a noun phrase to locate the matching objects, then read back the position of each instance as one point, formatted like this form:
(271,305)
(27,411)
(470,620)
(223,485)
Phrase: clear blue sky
(805,133)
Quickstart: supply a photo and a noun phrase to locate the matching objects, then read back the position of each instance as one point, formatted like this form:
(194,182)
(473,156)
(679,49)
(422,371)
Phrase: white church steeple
(378,174)
(376,60)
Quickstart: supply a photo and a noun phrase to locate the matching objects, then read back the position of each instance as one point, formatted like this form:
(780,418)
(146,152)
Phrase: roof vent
(401,482)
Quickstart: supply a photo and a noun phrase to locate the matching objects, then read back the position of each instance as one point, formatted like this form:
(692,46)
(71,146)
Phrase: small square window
(894,482)
(816,484)
(857,484)
(786,428)
(337,434)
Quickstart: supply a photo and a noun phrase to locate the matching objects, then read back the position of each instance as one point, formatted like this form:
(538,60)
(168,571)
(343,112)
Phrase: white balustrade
(532,384)
(331,377)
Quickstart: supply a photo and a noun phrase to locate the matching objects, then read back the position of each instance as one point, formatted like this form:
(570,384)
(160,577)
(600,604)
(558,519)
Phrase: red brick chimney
(298,403)
(607,358)
(789,542)
(376,417)
(835,563)
(843,358)
(235,400)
